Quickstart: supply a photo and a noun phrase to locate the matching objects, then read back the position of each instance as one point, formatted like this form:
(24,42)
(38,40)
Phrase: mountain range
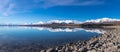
(73,23)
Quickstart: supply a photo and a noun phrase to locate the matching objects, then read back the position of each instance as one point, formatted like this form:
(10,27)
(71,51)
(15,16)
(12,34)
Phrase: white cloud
(6,7)
(8,10)
(3,3)
(52,3)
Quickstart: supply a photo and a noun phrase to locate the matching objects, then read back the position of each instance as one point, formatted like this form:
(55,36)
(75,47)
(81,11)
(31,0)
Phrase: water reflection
(42,37)
(63,29)
(95,30)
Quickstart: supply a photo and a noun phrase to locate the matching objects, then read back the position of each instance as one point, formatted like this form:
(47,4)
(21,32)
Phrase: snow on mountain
(40,22)
(95,30)
(78,22)
(70,30)
(64,21)
(102,20)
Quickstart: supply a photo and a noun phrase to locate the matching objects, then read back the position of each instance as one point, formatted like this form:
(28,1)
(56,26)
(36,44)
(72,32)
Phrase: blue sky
(29,11)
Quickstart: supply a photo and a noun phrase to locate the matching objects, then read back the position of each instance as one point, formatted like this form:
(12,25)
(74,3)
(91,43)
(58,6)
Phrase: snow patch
(40,22)
(64,21)
(102,20)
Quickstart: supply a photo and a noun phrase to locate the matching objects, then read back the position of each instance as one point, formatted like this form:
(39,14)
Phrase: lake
(42,37)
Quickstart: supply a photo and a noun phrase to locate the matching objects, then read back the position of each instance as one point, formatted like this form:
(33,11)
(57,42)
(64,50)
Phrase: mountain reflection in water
(43,37)
(98,30)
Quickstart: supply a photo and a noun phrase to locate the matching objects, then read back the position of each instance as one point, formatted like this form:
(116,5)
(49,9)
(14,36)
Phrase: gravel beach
(106,42)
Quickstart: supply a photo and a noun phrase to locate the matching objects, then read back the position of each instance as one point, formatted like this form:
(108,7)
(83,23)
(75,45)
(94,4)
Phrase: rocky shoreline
(107,42)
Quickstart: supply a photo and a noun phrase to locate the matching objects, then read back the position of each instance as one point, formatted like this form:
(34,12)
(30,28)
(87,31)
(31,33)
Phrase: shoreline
(106,42)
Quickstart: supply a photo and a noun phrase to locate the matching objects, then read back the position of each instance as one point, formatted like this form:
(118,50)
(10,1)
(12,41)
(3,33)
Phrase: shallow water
(41,37)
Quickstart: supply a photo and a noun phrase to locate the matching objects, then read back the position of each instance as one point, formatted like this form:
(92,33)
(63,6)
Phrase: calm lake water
(19,37)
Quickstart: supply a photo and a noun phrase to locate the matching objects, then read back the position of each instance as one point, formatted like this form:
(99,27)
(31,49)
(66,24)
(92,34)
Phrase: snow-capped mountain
(102,20)
(64,21)
(40,22)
